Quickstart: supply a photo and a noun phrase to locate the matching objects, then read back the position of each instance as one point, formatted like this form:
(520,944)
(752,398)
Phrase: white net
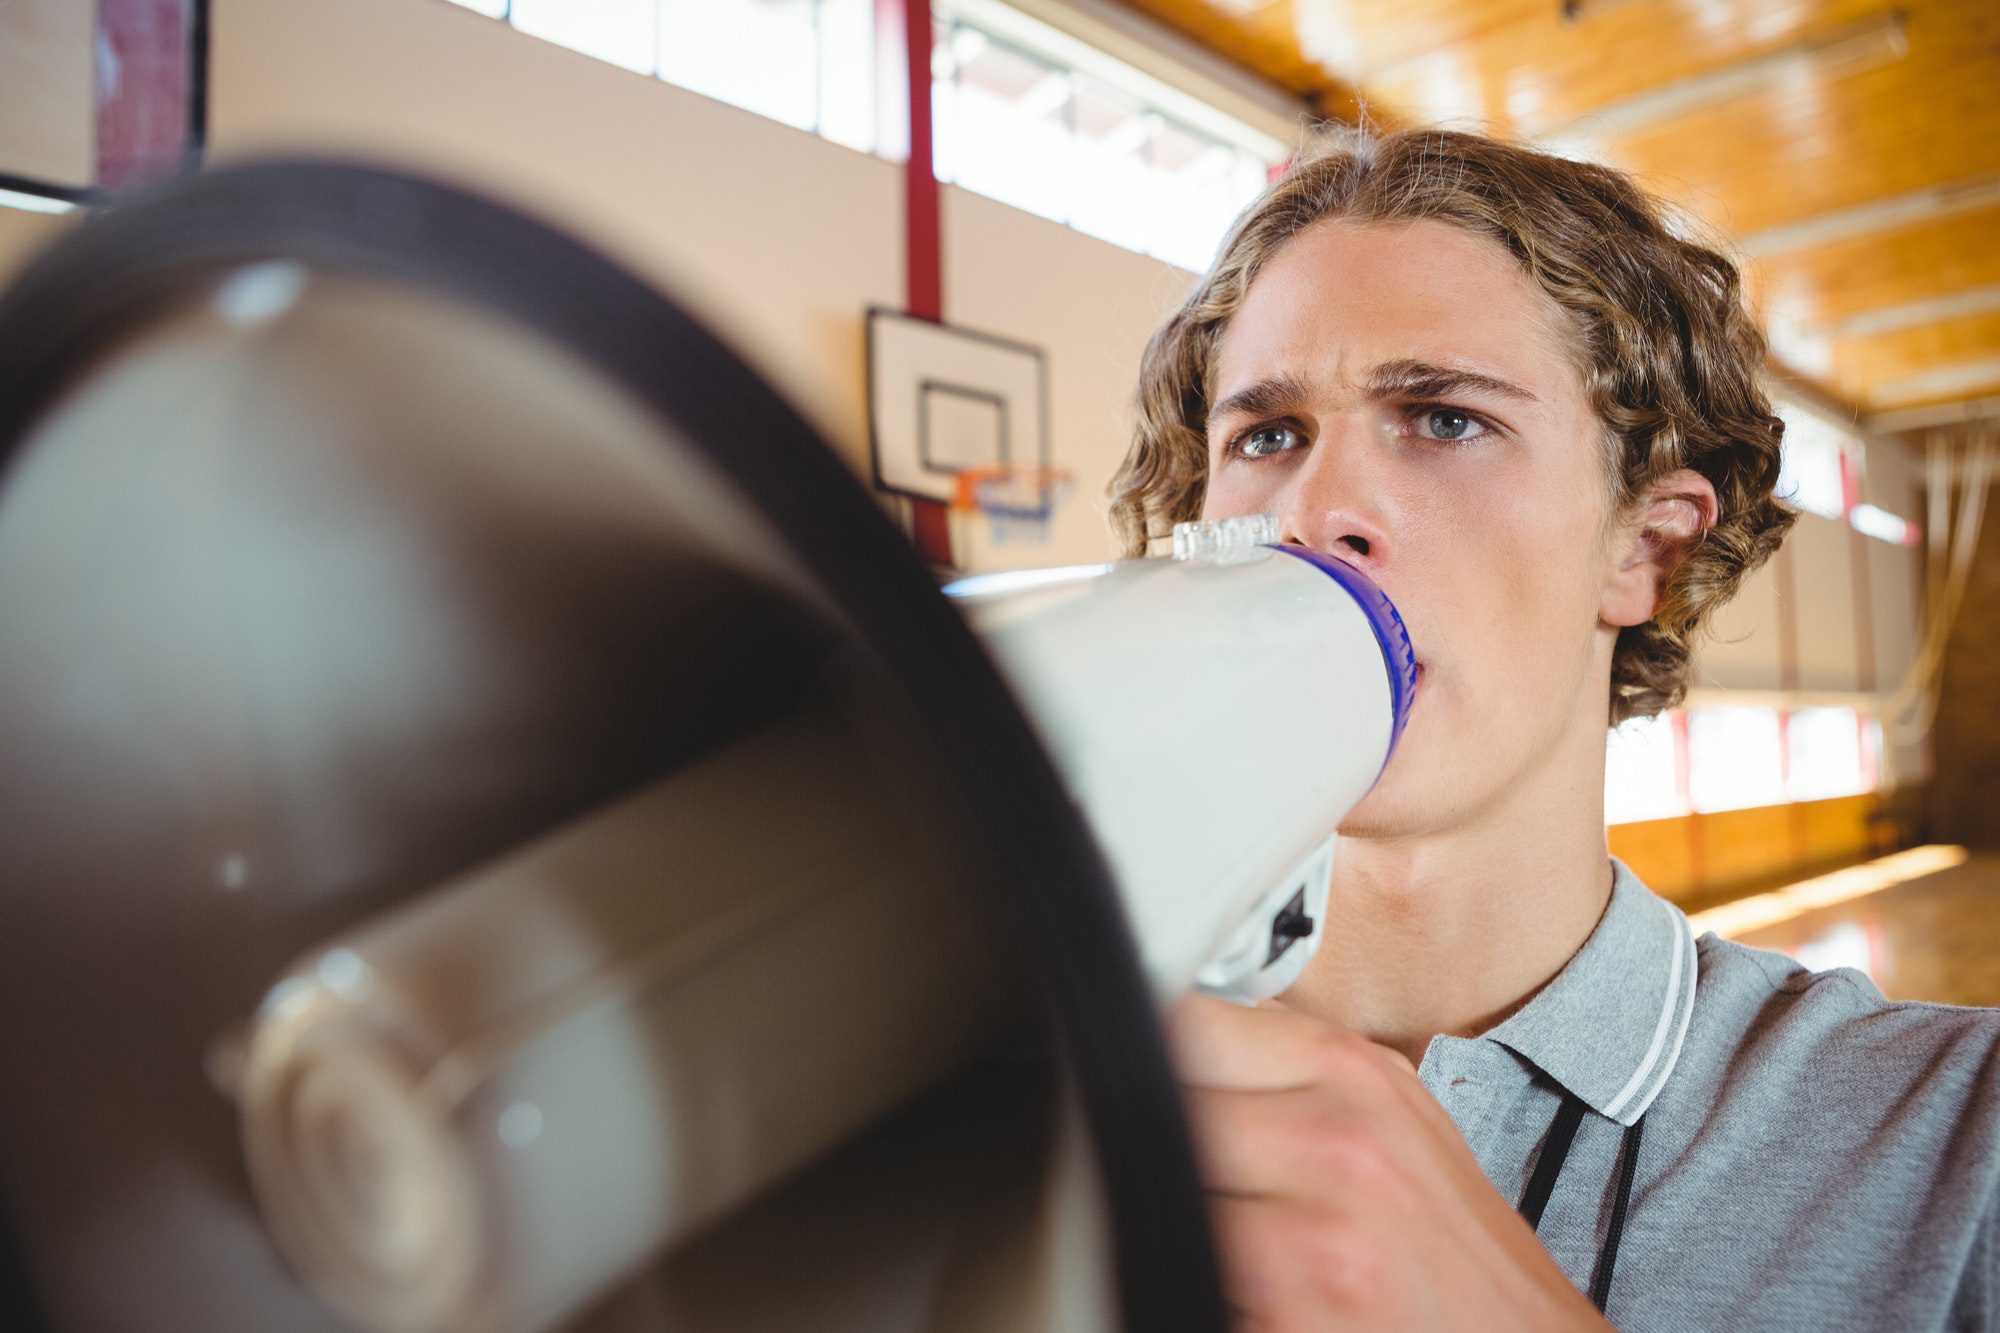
(1018,503)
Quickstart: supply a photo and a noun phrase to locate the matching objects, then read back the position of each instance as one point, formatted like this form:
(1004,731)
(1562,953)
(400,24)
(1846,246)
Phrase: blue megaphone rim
(1397,655)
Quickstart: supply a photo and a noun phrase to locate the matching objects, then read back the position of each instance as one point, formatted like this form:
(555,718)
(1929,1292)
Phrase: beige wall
(1091,305)
(778,238)
(1743,653)
(48,122)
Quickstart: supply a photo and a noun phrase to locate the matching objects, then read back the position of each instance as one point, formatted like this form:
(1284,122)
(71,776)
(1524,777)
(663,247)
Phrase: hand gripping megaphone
(498,832)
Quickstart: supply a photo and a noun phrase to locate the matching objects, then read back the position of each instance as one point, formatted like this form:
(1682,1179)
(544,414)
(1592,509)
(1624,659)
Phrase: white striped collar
(1610,1026)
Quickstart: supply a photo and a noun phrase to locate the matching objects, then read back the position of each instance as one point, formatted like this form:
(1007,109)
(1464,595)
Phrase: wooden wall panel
(1699,858)
(1660,852)
(1744,846)
(1837,830)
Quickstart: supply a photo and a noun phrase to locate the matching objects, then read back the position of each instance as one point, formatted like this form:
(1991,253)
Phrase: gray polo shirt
(1813,1155)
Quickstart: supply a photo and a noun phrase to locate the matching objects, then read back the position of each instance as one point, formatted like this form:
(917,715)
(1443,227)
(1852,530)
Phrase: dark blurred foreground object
(389,586)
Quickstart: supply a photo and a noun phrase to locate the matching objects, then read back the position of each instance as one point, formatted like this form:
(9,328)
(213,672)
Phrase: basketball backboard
(944,400)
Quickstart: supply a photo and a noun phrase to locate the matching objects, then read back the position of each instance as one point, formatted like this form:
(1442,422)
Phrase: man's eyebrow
(1268,396)
(1424,379)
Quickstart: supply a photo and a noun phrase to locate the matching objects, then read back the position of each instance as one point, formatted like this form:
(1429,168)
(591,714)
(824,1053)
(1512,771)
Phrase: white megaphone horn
(1213,796)
(1214,715)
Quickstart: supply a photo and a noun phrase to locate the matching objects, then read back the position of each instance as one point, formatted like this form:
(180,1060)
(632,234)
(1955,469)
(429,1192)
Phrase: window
(1094,148)
(1010,124)
(1813,475)
(807,63)
(1020,111)
(761,55)
(1825,758)
(1203,185)
(622,32)
(1642,772)
(1111,165)
(1734,758)
(1821,473)
(1874,521)
(847,73)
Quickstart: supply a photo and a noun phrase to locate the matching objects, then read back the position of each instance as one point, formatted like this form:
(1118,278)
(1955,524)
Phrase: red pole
(142,89)
(923,236)
(904,31)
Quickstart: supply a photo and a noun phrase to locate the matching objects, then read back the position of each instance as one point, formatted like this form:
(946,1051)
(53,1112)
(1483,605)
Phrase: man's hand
(1342,1194)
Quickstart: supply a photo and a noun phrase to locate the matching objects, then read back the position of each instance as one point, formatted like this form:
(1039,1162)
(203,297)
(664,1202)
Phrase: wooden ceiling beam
(1909,314)
(1954,413)
(1822,286)
(1964,380)
(1845,49)
(1896,210)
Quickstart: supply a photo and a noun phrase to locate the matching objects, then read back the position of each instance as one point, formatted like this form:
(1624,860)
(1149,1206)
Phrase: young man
(1512,1086)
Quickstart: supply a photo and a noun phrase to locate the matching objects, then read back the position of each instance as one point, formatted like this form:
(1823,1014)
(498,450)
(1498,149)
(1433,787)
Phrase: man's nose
(1333,503)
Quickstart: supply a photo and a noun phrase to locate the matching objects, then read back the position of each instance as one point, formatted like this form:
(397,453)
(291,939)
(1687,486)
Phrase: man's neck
(1451,932)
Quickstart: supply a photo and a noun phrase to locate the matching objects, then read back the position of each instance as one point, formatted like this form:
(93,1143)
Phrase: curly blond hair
(1671,361)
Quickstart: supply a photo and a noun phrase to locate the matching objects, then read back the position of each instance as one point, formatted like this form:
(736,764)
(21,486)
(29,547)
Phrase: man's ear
(1669,517)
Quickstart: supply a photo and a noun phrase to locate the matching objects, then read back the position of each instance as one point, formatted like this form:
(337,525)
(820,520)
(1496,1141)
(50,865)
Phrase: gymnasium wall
(781,240)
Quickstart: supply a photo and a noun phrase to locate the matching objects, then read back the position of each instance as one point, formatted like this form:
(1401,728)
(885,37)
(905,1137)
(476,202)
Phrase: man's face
(1401,396)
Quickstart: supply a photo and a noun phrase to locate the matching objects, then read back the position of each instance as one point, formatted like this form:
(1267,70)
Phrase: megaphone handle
(1271,945)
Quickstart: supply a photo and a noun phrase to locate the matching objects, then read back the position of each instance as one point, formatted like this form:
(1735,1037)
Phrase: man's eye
(1267,440)
(1448,424)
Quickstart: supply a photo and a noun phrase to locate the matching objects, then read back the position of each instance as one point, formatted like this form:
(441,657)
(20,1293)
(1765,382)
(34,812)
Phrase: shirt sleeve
(1976,1306)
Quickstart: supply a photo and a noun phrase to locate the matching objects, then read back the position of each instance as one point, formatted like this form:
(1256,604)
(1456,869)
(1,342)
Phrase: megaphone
(498,832)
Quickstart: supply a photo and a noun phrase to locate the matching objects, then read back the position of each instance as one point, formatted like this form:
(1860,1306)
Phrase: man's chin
(1380,815)
(1399,805)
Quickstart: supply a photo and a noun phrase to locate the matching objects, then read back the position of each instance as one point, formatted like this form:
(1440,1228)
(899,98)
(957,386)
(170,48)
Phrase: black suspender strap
(1607,1258)
(1555,1151)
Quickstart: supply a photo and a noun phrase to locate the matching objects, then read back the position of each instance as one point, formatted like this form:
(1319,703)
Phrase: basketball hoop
(1018,502)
